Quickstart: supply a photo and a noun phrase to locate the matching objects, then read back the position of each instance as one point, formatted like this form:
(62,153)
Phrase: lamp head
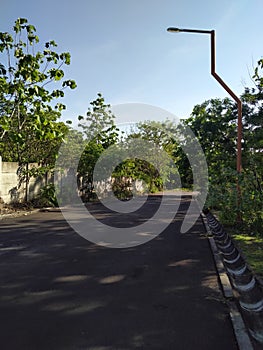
(180,30)
(174,30)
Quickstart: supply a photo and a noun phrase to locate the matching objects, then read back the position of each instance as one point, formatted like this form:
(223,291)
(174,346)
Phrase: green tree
(99,131)
(24,76)
(252,160)
(253,124)
(155,139)
(214,124)
(28,114)
(99,123)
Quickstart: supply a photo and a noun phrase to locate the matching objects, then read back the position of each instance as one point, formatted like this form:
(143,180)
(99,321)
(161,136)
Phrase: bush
(47,196)
(121,188)
(223,197)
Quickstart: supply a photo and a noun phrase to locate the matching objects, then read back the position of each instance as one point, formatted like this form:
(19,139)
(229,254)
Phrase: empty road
(60,291)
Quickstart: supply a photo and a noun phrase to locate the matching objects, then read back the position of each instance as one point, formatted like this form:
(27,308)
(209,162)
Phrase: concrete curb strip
(244,342)
(240,330)
(248,290)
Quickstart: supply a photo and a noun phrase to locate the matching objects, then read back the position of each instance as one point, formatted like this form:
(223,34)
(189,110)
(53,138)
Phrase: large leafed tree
(31,79)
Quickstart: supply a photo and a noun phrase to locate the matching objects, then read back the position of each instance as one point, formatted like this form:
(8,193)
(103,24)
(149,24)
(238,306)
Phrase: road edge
(241,333)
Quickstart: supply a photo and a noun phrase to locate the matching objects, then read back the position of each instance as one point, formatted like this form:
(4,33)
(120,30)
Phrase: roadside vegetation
(32,85)
(251,248)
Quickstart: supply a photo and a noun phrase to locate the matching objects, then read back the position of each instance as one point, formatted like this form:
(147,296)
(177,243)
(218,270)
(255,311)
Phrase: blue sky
(121,48)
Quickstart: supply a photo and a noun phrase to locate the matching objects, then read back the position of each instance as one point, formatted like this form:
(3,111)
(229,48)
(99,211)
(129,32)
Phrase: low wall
(10,188)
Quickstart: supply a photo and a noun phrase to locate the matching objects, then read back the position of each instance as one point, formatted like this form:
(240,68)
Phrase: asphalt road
(59,291)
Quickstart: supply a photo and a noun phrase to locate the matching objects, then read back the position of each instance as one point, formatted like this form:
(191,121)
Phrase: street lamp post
(222,83)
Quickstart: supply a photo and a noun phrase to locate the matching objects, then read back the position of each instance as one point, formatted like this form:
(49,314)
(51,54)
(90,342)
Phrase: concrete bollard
(248,290)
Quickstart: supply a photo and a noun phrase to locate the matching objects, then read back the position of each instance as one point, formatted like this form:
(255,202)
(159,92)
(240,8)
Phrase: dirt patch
(11,211)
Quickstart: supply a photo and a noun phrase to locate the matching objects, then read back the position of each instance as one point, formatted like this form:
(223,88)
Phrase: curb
(240,330)
(223,276)
(29,212)
(18,214)
(241,333)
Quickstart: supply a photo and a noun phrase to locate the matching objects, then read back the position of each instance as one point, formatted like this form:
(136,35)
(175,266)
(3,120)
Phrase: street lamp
(221,82)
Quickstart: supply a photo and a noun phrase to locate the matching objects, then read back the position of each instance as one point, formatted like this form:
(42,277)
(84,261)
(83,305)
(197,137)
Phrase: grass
(251,247)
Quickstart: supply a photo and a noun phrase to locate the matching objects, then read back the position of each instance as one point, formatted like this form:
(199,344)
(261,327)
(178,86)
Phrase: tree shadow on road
(59,291)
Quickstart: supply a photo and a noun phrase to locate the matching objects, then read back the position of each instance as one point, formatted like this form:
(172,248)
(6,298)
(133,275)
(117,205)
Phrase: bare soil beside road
(59,291)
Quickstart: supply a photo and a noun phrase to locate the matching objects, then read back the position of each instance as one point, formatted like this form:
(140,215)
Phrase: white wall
(9,183)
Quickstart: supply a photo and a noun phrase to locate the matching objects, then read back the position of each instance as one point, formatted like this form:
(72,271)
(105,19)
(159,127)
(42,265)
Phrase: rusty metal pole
(239,122)
(232,94)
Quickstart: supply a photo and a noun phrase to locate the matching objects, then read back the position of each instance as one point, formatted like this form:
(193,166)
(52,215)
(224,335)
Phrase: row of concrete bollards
(248,289)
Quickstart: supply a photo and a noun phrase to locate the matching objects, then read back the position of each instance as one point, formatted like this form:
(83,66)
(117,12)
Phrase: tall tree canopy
(31,79)
(100,132)
(214,122)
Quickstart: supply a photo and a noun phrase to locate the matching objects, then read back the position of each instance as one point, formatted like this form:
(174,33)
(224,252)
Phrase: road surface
(59,291)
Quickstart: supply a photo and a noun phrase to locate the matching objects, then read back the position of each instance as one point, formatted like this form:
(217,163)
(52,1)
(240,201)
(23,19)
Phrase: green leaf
(2,69)
(71,83)
(65,57)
